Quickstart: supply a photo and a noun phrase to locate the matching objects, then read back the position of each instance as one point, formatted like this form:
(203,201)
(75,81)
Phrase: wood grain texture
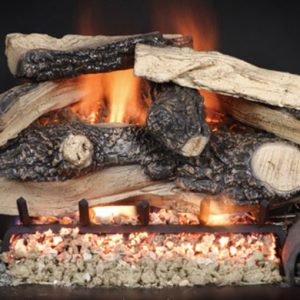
(123,184)
(219,73)
(22,105)
(42,57)
(281,122)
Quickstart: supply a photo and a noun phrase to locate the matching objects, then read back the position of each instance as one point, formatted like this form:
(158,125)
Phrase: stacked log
(175,150)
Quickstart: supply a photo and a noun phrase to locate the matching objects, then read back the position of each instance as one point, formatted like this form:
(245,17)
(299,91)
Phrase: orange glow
(106,214)
(225,213)
(247,248)
(111,97)
(89,106)
(122,91)
(198,21)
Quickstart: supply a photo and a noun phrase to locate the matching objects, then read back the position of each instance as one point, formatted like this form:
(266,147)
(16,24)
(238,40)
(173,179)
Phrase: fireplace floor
(187,293)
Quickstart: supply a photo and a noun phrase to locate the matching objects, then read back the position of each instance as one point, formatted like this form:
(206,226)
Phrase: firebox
(148,161)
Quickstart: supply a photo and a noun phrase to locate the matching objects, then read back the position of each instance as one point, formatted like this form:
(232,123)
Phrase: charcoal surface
(36,153)
(176,118)
(45,64)
(224,167)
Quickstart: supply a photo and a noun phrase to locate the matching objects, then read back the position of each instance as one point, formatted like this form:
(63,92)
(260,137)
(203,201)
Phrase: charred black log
(177,120)
(246,167)
(64,151)
(41,57)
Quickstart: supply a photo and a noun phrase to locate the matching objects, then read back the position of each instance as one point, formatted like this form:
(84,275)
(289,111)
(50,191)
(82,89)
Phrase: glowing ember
(114,214)
(89,106)
(143,259)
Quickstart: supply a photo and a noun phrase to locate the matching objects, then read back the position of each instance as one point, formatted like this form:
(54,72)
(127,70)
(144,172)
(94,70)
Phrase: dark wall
(265,32)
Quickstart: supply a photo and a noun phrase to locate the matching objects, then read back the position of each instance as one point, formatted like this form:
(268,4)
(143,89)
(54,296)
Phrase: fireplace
(144,161)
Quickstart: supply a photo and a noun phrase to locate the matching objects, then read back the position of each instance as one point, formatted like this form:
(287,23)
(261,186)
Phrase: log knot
(77,150)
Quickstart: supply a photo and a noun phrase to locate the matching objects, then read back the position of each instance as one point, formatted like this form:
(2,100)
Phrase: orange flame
(116,92)
(89,106)
(112,97)
(122,91)
(199,21)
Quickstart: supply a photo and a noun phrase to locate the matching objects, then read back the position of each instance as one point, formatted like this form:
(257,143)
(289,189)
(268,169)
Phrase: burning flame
(89,106)
(198,21)
(122,90)
(113,96)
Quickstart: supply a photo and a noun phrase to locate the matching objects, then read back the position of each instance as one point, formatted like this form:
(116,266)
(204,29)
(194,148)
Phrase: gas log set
(147,187)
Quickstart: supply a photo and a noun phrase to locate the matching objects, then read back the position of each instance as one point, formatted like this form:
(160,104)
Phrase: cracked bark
(176,119)
(246,167)
(41,57)
(37,153)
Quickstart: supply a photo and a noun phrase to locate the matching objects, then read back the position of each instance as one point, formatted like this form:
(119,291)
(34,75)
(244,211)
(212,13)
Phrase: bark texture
(23,104)
(247,167)
(219,73)
(176,119)
(41,57)
(38,152)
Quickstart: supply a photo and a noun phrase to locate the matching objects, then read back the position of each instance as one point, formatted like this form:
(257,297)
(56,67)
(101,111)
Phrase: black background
(263,32)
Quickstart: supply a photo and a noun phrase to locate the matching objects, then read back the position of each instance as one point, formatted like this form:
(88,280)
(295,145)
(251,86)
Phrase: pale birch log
(104,187)
(280,122)
(217,72)
(23,104)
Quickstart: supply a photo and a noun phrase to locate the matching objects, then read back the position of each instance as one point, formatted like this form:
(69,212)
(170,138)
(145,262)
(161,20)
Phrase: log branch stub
(246,167)
(77,150)
(176,119)
(63,151)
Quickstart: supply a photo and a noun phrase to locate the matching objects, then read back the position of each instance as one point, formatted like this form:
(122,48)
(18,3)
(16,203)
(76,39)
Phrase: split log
(282,122)
(21,105)
(219,73)
(125,184)
(63,151)
(247,167)
(41,57)
(176,119)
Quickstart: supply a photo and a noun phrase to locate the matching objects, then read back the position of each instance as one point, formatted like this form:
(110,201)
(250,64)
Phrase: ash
(5,278)
(142,259)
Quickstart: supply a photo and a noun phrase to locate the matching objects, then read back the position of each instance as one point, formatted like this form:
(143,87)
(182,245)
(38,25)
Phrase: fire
(89,106)
(111,97)
(198,21)
(122,91)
